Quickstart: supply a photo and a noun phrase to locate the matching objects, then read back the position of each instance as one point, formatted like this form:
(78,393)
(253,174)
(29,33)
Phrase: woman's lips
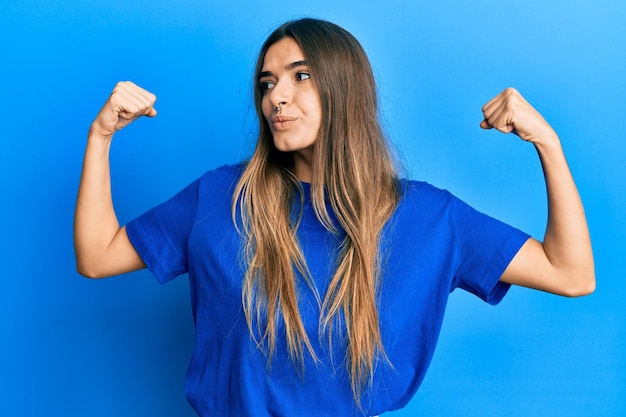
(282,122)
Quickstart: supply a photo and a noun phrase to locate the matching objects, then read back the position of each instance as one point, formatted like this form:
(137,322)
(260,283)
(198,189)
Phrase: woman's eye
(266,85)
(301,76)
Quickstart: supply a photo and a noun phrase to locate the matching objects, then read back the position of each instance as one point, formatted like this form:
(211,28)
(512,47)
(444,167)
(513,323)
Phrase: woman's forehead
(282,54)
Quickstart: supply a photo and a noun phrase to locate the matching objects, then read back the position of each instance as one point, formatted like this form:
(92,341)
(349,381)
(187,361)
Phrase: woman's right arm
(102,247)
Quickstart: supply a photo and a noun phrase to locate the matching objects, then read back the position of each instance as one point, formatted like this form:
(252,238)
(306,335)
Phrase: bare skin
(102,247)
(561,264)
(288,86)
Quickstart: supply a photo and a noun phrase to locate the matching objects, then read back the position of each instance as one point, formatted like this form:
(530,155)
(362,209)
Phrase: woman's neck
(302,164)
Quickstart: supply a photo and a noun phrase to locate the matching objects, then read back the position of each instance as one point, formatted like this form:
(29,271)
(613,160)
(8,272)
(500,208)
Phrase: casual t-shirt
(432,244)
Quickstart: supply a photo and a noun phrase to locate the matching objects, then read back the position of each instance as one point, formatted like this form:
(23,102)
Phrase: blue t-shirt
(432,244)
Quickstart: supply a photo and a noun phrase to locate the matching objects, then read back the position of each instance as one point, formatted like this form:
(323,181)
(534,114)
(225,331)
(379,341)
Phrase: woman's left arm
(563,263)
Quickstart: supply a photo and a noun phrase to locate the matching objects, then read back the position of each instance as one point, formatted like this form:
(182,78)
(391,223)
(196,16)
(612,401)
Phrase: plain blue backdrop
(119,347)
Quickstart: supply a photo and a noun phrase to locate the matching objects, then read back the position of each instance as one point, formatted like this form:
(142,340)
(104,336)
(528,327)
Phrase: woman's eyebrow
(296,64)
(289,67)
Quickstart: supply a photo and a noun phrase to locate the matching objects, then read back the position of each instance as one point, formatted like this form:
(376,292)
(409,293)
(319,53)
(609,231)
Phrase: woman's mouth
(282,122)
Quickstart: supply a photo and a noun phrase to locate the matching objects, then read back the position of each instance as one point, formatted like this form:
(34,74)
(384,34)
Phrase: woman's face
(291,103)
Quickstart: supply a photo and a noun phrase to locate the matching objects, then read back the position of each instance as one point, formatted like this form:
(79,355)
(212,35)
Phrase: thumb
(152,112)
(485,124)
(506,128)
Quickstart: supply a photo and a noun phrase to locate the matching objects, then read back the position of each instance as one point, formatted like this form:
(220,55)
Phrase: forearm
(102,247)
(95,221)
(563,263)
(567,243)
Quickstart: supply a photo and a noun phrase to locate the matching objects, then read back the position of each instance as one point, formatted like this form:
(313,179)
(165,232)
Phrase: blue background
(119,347)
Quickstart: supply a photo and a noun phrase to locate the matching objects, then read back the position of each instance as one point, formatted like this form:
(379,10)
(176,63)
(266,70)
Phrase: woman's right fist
(126,103)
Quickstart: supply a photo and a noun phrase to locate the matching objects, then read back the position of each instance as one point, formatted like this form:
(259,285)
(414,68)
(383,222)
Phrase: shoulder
(425,195)
(413,187)
(223,178)
(423,202)
(225,172)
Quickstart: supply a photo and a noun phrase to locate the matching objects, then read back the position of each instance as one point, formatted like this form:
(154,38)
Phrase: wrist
(98,144)
(96,134)
(551,153)
(548,143)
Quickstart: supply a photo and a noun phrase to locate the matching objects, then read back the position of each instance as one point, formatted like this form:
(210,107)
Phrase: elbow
(90,263)
(88,270)
(587,289)
(585,284)
(580,291)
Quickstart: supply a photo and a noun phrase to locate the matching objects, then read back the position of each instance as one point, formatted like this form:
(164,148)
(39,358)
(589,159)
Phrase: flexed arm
(563,262)
(102,247)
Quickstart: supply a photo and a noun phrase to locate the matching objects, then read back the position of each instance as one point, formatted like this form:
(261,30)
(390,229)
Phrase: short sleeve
(486,247)
(161,234)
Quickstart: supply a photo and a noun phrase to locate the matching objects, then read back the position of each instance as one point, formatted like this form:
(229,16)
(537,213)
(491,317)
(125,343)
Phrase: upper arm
(532,268)
(119,257)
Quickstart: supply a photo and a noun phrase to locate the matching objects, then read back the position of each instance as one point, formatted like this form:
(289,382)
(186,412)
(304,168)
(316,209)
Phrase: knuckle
(120,86)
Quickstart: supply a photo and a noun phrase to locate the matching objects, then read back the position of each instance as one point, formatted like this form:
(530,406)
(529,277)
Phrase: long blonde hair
(353,171)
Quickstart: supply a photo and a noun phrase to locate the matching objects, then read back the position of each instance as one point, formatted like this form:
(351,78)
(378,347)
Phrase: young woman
(319,278)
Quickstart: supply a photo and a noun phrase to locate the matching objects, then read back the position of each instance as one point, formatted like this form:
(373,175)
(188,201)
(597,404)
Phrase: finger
(495,104)
(496,100)
(138,94)
(508,94)
(146,98)
(491,103)
(504,128)
(132,101)
(490,108)
(500,117)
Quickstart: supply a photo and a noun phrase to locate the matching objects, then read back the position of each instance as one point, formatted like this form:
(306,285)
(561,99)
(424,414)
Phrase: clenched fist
(126,104)
(509,112)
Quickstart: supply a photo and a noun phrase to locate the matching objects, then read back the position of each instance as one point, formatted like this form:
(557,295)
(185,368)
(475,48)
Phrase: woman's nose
(280,94)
